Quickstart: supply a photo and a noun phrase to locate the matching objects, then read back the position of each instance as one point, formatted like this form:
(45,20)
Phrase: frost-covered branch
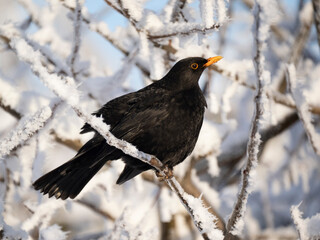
(26,128)
(236,222)
(177,29)
(64,89)
(9,97)
(301,100)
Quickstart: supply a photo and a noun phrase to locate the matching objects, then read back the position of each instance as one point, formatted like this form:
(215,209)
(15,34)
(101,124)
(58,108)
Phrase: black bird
(163,119)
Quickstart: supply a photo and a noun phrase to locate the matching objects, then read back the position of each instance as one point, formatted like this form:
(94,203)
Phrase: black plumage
(163,119)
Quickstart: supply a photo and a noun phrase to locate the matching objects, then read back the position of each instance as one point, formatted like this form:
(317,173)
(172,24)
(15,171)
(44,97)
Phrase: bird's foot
(166,173)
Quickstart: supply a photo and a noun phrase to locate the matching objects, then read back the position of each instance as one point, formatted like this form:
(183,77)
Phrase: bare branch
(9,109)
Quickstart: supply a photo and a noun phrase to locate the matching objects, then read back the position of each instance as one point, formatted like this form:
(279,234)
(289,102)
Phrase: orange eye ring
(194,66)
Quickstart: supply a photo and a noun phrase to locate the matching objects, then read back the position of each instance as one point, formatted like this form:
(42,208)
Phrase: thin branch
(235,223)
(70,95)
(191,29)
(9,109)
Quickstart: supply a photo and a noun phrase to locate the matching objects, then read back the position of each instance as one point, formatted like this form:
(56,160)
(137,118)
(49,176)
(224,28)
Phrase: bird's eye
(194,66)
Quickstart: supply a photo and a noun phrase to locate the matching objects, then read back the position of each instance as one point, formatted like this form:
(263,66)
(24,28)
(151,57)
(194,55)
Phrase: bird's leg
(166,173)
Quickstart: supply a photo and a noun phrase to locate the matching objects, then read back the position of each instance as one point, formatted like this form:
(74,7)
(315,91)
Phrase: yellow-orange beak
(212,60)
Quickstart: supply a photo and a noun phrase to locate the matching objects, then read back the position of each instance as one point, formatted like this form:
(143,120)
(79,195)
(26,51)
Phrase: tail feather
(128,173)
(70,178)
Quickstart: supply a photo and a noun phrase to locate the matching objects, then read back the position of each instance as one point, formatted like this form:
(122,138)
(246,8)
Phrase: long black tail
(70,178)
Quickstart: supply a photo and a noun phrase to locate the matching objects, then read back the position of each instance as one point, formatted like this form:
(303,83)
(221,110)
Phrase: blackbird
(163,119)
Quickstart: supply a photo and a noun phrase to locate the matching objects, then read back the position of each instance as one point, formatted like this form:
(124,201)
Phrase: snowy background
(60,56)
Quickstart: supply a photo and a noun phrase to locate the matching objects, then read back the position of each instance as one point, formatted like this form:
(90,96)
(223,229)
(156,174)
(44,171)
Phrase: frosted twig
(9,109)
(302,109)
(298,221)
(187,30)
(76,39)
(235,223)
(68,94)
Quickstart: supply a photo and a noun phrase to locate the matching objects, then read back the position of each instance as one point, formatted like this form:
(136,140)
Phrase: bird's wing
(113,111)
(148,110)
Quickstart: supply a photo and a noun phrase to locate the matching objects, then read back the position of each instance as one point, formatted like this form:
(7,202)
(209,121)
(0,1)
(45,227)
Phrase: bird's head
(186,73)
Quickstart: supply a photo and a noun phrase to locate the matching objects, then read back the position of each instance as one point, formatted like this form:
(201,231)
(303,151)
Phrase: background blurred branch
(235,224)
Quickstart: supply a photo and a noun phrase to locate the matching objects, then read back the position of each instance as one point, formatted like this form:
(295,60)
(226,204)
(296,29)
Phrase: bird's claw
(165,173)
